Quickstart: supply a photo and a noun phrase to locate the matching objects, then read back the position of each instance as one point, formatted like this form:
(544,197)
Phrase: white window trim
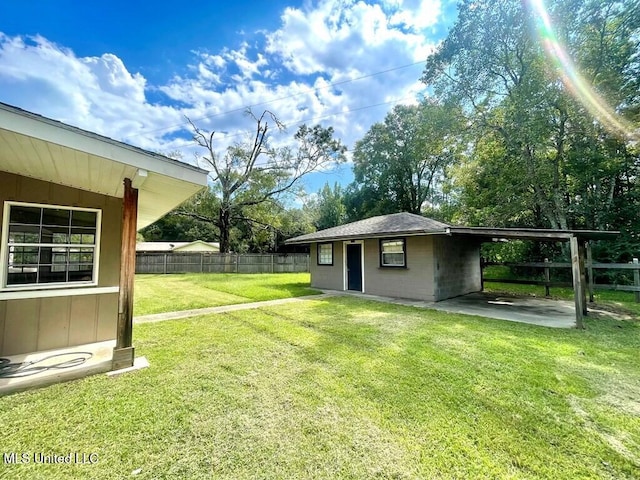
(318,254)
(404,253)
(345,278)
(4,250)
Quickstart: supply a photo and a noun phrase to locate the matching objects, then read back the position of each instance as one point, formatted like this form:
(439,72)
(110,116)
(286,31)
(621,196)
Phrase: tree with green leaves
(247,183)
(400,163)
(536,154)
(326,207)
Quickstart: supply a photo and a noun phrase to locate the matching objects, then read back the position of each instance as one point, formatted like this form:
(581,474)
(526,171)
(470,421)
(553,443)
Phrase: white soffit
(37,147)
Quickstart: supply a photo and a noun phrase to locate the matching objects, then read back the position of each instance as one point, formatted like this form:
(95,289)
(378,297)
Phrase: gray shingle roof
(395,224)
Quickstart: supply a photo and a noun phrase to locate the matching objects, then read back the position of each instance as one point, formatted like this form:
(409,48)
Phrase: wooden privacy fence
(590,266)
(204,262)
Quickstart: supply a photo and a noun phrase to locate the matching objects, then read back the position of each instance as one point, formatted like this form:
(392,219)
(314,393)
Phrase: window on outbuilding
(325,254)
(46,246)
(393,253)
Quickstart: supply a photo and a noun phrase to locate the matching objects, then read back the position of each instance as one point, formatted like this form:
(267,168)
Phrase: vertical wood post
(123,353)
(481,274)
(583,276)
(577,283)
(590,272)
(201,262)
(164,264)
(237,262)
(636,279)
(547,279)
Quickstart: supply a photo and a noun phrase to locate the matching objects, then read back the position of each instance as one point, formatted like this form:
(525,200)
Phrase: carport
(579,243)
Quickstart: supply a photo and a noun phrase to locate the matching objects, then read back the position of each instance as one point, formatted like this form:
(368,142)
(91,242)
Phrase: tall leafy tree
(327,207)
(251,177)
(400,163)
(537,155)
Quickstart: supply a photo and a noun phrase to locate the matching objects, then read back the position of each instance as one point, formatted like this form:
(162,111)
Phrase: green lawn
(169,293)
(347,388)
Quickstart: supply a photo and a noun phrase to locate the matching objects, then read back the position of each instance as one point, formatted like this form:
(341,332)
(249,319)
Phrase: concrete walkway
(159,317)
(532,310)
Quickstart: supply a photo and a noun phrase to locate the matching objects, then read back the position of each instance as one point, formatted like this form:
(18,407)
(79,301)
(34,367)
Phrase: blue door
(354,267)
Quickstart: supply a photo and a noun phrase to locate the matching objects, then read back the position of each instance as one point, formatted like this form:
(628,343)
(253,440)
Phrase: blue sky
(133,70)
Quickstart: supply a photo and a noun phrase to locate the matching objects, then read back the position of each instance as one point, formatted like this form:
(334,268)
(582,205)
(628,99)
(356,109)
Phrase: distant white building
(166,247)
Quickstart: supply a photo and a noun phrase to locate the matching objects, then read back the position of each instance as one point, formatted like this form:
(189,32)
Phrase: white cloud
(309,70)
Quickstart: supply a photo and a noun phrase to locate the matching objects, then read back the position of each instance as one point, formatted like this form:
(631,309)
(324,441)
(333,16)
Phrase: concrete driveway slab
(537,311)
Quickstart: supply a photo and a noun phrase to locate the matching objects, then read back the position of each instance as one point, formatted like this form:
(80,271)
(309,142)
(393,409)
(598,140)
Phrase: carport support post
(124,352)
(590,271)
(577,280)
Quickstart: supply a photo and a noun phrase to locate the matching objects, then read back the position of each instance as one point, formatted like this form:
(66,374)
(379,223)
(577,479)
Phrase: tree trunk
(224,220)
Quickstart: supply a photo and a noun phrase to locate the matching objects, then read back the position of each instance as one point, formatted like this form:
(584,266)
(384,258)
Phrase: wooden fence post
(237,262)
(272,264)
(636,279)
(201,262)
(164,268)
(547,279)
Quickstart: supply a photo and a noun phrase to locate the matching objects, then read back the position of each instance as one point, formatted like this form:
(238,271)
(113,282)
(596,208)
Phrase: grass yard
(347,388)
(169,293)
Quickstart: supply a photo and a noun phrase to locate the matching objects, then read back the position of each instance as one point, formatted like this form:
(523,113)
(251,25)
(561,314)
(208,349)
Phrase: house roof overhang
(49,150)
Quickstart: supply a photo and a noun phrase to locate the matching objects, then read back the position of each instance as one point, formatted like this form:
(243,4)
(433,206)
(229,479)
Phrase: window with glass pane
(49,245)
(392,253)
(325,254)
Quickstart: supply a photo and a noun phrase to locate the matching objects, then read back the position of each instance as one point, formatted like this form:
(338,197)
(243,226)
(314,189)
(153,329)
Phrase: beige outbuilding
(409,256)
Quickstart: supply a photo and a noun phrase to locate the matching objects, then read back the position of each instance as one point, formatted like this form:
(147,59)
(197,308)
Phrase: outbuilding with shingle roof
(410,256)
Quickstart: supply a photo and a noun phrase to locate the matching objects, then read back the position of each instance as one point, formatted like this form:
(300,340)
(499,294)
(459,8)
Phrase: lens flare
(575,83)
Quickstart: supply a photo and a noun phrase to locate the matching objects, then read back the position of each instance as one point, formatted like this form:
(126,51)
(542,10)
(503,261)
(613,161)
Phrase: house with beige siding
(197,246)
(71,202)
(401,255)
(410,256)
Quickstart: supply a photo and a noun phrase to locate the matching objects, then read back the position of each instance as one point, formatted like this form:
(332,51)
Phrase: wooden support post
(577,280)
(583,276)
(123,352)
(201,262)
(636,279)
(547,279)
(272,265)
(481,274)
(164,268)
(590,272)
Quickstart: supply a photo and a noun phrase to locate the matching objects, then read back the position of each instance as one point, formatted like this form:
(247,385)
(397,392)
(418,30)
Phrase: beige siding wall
(414,282)
(198,247)
(457,266)
(327,276)
(34,324)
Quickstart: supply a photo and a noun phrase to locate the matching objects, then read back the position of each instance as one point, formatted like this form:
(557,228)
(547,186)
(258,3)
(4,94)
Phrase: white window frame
(329,264)
(4,249)
(404,253)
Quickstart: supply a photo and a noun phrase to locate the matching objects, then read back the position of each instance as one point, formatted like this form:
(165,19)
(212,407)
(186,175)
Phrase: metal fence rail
(546,266)
(204,262)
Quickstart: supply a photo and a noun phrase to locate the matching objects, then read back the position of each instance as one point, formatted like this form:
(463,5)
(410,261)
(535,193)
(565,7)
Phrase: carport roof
(409,224)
